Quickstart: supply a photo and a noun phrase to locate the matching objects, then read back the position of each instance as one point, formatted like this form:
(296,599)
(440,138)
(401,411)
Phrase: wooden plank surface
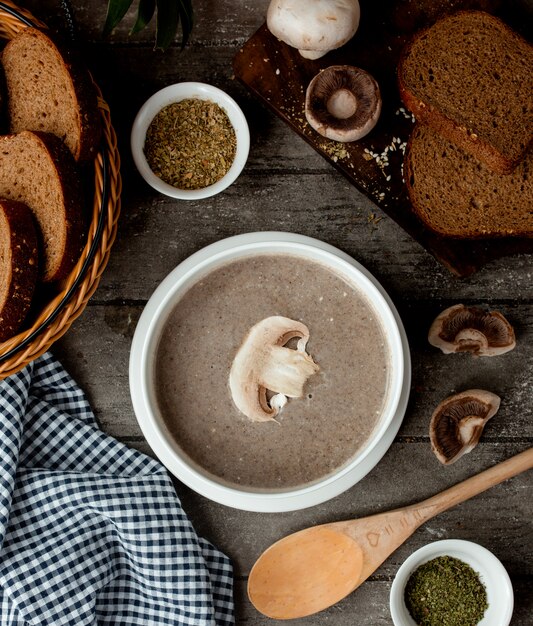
(287,186)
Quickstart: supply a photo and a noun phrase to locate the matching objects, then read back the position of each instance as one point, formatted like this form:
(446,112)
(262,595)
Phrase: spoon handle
(476,484)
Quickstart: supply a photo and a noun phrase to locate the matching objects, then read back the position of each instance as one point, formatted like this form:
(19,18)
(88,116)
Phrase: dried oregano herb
(190,144)
(445,592)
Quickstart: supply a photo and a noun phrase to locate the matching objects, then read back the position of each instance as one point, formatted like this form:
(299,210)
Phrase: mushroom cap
(470,329)
(457,423)
(313,26)
(343,103)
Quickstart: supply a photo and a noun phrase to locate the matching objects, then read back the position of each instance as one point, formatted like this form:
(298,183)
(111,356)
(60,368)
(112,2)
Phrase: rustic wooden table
(287,186)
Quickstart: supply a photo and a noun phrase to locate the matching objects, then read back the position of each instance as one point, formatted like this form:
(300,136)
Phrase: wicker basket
(58,312)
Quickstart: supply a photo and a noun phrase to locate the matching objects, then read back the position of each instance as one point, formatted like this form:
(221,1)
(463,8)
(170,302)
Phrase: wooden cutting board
(278,76)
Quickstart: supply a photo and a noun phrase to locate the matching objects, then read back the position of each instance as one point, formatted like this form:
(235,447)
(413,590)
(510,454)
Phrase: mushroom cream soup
(313,435)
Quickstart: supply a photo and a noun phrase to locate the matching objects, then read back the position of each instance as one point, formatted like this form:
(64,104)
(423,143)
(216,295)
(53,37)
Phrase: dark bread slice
(38,170)
(470,77)
(454,194)
(18,265)
(49,90)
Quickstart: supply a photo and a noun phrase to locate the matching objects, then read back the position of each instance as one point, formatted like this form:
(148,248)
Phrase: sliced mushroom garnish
(470,329)
(343,103)
(457,423)
(264,363)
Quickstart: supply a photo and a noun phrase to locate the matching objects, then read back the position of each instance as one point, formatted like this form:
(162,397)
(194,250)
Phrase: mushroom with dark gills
(470,329)
(457,423)
(343,103)
(265,363)
(313,26)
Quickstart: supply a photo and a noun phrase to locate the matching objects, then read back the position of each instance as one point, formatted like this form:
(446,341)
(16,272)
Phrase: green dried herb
(445,592)
(190,144)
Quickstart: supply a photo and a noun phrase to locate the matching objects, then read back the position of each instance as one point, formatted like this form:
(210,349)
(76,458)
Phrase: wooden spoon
(312,569)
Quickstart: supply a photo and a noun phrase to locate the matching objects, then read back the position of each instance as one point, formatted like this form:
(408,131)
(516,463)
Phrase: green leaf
(186,16)
(144,15)
(116,10)
(167,22)
(169,15)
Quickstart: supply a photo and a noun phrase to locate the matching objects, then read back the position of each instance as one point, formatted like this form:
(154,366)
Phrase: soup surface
(314,435)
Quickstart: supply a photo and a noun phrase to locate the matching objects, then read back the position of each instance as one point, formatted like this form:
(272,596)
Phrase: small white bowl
(152,321)
(176,93)
(491,572)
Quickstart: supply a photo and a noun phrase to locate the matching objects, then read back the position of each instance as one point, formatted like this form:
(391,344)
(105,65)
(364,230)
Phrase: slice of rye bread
(38,170)
(454,194)
(49,90)
(18,265)
(470,77)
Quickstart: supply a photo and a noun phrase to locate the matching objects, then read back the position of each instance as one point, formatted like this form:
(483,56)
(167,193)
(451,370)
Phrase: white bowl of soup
(322,441)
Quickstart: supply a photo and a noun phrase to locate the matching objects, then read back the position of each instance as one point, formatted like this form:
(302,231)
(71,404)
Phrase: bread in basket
(54,311)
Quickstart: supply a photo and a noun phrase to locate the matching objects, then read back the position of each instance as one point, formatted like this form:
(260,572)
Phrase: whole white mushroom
(313,26)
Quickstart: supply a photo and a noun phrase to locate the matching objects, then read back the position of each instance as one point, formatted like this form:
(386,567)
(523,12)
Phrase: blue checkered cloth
(92,532)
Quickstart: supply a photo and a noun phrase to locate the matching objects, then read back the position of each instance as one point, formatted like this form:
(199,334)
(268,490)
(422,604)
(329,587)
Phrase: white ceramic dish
(152,321)
(176,93)
(491,572)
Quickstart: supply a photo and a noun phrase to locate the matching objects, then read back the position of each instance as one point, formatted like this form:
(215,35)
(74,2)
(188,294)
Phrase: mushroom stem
(342,104)
(471,340)
(313,55)
(287,371)
(470,431)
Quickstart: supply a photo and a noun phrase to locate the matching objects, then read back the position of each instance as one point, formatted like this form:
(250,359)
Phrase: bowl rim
(175,93)
(256,500)
(490,569)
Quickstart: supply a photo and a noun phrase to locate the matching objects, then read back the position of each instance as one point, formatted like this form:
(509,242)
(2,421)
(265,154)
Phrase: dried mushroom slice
(470,329)
(457,423)
(265,372)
